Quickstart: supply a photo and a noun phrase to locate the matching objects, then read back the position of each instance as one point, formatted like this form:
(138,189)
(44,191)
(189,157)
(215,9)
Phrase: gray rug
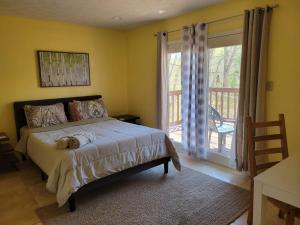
(151,198)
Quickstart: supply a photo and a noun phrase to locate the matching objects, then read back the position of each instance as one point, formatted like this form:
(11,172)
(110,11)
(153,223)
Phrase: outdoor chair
(216,124)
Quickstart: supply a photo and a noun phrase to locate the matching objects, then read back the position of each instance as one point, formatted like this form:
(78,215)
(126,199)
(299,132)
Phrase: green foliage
(174,68)
(224,66)
(224,72)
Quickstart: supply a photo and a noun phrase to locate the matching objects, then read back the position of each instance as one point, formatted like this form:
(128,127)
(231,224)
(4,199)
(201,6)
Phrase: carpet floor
(151,198)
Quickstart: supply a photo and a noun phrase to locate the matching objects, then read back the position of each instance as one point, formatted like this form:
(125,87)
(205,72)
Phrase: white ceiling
(101,13)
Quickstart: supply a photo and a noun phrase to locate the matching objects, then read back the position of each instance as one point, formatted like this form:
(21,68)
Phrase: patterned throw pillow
(44,116)
(75,111)
(82,110)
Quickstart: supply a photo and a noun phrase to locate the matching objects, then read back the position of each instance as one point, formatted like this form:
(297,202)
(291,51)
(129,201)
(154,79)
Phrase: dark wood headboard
(20,118)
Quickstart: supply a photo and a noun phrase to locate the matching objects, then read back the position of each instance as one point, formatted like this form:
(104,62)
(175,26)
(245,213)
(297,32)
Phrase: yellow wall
(19,78)
(123,64)
(284,59)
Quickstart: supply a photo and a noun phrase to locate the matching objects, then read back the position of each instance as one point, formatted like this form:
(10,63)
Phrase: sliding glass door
(174,73)
(224,61)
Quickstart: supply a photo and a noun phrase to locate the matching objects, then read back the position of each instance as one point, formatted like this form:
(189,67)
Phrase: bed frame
(20,120)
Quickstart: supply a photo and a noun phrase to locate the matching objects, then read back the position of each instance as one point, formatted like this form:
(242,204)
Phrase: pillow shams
(82,110)
(44,116)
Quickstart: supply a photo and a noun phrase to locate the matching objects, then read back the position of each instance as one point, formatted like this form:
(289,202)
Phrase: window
(174,74)
(224,62)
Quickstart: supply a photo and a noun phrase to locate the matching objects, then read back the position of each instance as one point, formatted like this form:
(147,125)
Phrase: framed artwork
(63,69)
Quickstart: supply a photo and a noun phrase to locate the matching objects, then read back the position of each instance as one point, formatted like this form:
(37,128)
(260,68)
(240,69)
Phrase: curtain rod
(218,20)
(225,35)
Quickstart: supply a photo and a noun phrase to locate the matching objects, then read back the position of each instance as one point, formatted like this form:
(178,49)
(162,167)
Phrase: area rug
(151,198)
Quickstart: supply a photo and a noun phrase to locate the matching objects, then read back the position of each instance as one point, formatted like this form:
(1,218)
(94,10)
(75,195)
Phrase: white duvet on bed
(118,146)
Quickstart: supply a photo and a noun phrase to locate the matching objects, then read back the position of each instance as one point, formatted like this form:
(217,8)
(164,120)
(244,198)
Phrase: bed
(120,149)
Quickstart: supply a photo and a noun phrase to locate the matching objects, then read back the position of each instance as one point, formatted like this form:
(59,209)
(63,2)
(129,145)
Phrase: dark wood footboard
(117,176)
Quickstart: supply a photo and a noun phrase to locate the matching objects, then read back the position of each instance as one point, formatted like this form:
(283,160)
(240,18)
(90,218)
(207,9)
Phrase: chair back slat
(268,151)
(266,124)
(265,165)
(267,137)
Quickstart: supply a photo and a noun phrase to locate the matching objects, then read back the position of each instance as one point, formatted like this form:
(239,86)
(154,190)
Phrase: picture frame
(63,69)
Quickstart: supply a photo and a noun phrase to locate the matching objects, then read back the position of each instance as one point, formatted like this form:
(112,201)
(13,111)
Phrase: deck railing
(224,100)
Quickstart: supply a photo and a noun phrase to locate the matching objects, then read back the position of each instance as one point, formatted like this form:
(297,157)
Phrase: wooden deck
(175,133)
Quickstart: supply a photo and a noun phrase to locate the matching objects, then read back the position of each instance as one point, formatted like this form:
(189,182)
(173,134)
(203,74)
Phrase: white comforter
(118,146)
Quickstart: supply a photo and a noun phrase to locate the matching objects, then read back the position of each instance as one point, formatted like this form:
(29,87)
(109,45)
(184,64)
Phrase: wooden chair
(255,168)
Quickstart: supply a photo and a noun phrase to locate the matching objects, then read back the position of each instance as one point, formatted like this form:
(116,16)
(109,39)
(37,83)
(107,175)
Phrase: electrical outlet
(269,85)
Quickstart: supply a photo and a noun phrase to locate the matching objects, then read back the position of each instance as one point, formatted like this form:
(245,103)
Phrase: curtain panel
(194,89)
(162,82)
(253,76)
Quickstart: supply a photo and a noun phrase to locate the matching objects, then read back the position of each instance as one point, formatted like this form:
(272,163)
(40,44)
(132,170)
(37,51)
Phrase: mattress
(118,146)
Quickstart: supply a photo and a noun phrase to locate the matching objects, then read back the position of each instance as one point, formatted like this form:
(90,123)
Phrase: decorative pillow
(44,116)
(82,110)
(75,111)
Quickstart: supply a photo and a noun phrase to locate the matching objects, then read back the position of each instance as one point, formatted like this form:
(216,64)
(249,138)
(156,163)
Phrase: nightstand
(127,118)
(7,155)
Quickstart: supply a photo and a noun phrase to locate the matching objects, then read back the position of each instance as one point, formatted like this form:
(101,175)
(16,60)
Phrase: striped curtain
(194,89)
